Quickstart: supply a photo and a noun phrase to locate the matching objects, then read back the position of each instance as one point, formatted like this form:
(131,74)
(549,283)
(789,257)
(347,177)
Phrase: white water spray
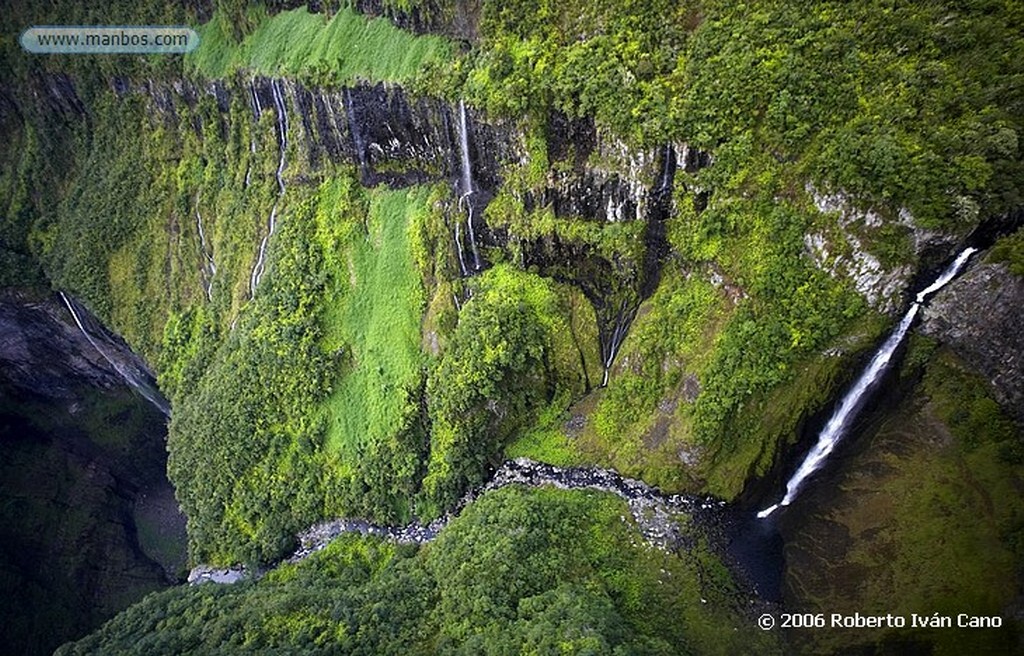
(618,334)
(467,182)
(666,174)
(254,104)
(458,249)
(840,420)
(210,269)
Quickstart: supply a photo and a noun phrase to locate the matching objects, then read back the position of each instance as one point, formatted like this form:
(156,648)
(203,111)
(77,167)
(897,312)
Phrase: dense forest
(374,249)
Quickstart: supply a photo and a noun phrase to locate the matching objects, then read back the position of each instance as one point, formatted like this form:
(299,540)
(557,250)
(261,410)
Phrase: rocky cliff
(979,317)
(88,521)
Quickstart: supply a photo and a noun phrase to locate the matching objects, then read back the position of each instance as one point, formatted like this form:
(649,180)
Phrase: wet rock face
(979,316)
(88,521)
(392,138)
(45,354)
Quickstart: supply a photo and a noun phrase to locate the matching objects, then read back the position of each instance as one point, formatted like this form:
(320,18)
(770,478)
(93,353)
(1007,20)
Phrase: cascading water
(467,186)
(667,170)
(852,401)
(282,129)
(660,195)
(622,321)
(209,270)
(131,373)
(458,249)
(254,104)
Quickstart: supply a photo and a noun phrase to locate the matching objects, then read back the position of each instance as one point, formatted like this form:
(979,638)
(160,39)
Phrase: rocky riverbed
(663,520)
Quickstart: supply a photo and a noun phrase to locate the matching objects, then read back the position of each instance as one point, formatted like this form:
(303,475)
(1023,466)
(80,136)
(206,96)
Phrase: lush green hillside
(827,155)
(542,571)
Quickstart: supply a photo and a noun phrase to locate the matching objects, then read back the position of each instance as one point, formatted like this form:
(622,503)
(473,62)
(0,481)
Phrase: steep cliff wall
(89,524)
(979,317)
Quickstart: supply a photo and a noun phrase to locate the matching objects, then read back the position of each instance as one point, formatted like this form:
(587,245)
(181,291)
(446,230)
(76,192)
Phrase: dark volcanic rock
(979,316)
(43,355)
(88,520)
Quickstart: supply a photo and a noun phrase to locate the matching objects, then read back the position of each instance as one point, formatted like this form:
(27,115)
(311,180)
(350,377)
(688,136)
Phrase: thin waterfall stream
(851,403)
(132,373)
(209,268)
(254,104)
(282,129)
(467,186)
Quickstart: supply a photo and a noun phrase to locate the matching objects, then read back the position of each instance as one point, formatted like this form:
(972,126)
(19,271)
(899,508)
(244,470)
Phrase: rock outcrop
(979,317)
(42,352)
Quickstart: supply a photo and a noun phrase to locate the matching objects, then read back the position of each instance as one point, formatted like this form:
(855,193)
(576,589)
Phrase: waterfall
(667,171)
(851,403)
(458,249)
(467,183)
(467,172)
(282,126)
(282,129)
(254,104)
(209,270)
(132,374)
(622,322)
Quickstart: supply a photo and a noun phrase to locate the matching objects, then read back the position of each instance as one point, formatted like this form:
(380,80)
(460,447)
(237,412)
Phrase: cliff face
(930,477)
(88,521)
(979,317)
(728,288)
(44,353)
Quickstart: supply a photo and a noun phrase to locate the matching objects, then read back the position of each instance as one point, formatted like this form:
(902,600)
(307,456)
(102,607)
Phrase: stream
(653,511)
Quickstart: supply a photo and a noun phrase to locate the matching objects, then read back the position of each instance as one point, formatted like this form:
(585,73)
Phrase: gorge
(489,328)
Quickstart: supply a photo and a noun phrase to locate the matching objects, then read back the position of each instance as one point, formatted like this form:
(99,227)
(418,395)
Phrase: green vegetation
(960,399)
(372,316)
(367,378)
(926,515)
(378,319)
(514,351)
(1010,249)
(342,48)
(543,571)
(264,383)
(900,106)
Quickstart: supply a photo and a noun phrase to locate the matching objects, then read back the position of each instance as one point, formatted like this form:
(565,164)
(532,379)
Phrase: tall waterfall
(133,373)
(282,129)
(209,269)
(622,321)
(839,422)
(467,185)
